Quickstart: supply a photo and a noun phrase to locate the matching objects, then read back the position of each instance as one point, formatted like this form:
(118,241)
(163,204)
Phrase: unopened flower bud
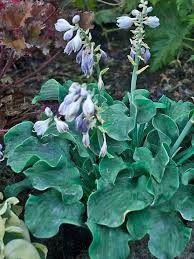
(152,21)
(48,112)
(68,35)
(40,127)
(125,22)
(149,9)
(76,19)
(135,12)
(132,54)
(100,83)
(103,150)
(63,25)
(88,107)
(86,139)
(61,125)
(146,56)
(104,56)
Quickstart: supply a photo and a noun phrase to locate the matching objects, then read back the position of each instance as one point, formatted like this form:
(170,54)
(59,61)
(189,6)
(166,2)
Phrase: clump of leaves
(137,188)
(14,236)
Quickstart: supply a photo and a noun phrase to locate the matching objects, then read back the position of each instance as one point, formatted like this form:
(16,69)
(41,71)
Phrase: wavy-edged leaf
(113,117)
(103,242)
(154,165)
(32,150)
(164,190)
(16,135)
(62,178)
(110,205)
(168,235)
(45,213)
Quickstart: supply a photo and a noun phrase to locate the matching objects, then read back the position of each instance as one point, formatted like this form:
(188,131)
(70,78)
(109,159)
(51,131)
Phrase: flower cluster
(78,107)
(139,19)
(80,41)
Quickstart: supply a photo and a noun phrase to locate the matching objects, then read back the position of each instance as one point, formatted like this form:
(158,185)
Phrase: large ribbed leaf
(110,205)
(109,243)
(45,213)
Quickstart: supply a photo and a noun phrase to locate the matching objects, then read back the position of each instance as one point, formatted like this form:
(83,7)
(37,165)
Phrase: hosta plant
(14,236)
(123,169)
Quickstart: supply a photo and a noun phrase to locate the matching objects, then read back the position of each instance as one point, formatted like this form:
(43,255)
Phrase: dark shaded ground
(176,81)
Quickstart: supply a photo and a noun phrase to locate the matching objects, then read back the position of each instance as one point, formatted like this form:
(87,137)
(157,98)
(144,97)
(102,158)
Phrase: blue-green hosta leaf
(110,205)
(110,167)
(72,136)
(52,91)
(183,201)
(61,178)
(113,117)
(168,235)
(109,243)
(164,190)
(117,147)
(187,176)
(167,129)
(16,135)
(145,108)
(45,213)
(154,165)
(14,189)
(32,150)
(177,111)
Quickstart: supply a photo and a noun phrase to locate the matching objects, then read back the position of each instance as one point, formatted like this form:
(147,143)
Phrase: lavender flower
(87,61)
(125,22)
(40,127)
(86,139)
(68,35)
(88,107)
(63,25)
(146,55)
(72,97)
(81,124)
(74,44)
(48,112)
(152,21)
(75,88)
(1,153)
(61,125)
(72,110)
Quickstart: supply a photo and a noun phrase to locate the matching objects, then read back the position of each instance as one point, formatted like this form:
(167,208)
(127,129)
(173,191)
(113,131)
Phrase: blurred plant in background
(167,42)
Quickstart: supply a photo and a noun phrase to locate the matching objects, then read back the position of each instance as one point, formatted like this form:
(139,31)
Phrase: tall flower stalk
(139,49)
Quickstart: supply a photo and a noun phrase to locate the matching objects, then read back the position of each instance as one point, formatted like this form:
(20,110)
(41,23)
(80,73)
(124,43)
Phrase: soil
(175,80)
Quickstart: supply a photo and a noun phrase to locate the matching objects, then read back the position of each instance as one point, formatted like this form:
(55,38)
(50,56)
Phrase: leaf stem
(182,135)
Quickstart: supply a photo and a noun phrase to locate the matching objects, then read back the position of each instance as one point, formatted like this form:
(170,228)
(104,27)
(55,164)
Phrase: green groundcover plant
(123,169)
